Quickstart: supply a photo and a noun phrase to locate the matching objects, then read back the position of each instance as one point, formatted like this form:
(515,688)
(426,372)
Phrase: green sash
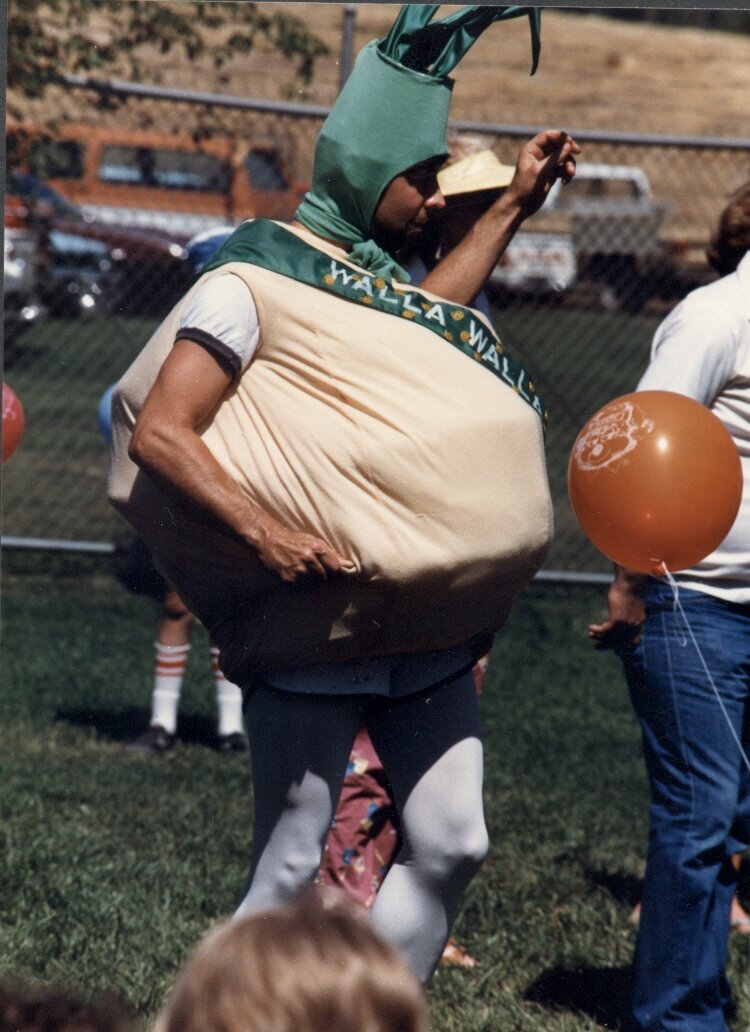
(272,247)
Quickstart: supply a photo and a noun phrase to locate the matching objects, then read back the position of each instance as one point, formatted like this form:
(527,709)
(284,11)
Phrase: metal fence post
(347,43)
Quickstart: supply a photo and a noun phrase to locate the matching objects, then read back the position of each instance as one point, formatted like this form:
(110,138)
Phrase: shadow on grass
(124,725)
(601,993)
(625,888)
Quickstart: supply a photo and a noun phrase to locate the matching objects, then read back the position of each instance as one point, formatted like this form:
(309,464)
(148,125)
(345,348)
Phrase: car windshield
(71,243)
(28,187)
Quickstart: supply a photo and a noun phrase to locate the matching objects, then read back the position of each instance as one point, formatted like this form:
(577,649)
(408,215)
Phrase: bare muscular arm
(167,445)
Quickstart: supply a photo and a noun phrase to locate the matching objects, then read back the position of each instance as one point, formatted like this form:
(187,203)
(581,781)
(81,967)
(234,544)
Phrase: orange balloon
(13,422)
(655,481)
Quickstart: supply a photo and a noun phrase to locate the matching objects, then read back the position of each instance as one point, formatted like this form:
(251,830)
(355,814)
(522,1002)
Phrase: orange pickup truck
(152,180)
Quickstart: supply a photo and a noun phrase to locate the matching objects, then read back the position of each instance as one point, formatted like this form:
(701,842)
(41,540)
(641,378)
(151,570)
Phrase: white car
(20,257)
(20,295)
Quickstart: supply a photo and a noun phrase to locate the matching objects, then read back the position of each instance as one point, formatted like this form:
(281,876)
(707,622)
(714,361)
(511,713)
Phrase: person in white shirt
(699,777)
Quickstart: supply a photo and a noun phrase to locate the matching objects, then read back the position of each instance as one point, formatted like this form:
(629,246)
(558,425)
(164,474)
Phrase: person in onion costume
(343,477)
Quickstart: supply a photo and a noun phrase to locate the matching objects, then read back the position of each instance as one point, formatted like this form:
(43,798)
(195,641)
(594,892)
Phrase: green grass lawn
(112,865)
(55,486)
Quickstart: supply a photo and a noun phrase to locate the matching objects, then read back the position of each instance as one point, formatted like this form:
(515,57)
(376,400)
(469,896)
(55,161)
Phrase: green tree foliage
(49,38)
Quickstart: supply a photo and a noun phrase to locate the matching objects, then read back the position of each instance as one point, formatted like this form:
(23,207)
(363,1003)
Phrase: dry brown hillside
(595,73)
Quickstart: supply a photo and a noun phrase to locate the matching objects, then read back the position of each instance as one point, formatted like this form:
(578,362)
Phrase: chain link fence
(577,299)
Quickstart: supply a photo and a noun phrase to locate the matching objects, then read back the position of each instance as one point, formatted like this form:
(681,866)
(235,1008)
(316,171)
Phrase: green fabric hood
(391,114)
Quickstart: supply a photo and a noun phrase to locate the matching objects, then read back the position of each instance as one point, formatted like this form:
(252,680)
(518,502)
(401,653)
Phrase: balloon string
(677,608)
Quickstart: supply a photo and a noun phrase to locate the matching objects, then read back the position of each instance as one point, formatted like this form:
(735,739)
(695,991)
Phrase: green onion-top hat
(391,114)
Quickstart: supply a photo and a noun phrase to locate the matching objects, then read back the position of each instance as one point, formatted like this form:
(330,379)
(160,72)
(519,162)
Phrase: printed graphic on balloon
(655,481)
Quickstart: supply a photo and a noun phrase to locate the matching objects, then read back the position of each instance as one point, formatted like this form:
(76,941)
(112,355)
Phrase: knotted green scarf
(392,114)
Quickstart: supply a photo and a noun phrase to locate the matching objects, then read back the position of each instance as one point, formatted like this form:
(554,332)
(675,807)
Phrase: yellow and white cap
(480,171)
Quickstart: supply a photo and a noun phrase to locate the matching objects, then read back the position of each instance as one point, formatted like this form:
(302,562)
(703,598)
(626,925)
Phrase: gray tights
(430,746)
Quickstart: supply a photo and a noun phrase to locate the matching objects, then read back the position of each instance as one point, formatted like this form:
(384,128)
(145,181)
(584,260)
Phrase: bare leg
(738,918)
(175,620)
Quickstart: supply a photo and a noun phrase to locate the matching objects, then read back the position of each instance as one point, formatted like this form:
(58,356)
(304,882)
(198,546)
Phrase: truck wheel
(621,289)
(609,298)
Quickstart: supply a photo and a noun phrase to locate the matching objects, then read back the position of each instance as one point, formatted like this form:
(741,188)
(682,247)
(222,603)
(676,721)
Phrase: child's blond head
(299,968)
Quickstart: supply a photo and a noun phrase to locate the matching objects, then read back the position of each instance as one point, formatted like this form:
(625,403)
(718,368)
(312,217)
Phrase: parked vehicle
(611,219)
(21,305)
(539,264)
(147,179)
(81,277)
(81,264)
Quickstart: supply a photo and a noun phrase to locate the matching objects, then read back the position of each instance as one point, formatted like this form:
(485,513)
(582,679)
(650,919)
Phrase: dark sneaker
(236,742)
(155,740)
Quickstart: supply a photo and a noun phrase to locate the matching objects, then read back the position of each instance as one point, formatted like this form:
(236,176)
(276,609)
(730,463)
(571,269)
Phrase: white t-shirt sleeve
(222,316)
(694,353)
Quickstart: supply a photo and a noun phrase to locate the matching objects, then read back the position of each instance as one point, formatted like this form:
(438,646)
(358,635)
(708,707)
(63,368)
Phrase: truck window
(172,169)
(618,190)
(55,159)
(597,188)
(263,171)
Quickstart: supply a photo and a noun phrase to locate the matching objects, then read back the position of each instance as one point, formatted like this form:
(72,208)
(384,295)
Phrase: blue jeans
(700,804)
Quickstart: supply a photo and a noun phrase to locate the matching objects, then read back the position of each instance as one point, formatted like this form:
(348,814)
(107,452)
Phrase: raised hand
(549,156)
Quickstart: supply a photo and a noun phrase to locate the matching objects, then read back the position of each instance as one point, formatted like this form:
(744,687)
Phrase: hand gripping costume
(384,419)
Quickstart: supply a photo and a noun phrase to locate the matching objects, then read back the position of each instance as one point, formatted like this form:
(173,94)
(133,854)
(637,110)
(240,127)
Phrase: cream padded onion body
(408,457)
